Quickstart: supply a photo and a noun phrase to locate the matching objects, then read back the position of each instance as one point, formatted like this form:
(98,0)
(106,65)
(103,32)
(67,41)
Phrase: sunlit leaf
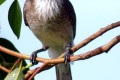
(16,74)
(15,18)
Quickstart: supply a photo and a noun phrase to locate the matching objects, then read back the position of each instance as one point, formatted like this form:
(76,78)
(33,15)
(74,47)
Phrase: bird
(53,22)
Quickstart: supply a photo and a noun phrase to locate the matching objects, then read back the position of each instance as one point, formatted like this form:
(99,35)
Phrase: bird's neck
(48,8)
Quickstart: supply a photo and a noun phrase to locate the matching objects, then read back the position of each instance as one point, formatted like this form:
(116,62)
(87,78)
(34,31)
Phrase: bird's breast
(53,34)
(50,23)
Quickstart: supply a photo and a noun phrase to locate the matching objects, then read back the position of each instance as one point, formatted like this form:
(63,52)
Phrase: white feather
(47,7)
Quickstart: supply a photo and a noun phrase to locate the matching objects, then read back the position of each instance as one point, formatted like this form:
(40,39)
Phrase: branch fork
(48,63)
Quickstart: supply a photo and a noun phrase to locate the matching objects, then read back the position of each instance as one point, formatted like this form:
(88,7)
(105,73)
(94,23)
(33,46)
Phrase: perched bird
(54,23)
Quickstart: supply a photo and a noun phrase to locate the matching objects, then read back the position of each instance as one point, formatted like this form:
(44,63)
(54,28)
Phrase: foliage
(2,1)
(16,73)
(15,18)
(8,60)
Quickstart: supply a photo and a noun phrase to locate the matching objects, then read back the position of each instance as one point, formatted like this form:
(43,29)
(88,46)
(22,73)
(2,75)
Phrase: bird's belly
(54,35)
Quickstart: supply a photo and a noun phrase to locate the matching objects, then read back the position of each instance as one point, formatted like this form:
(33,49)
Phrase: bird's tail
(63,72)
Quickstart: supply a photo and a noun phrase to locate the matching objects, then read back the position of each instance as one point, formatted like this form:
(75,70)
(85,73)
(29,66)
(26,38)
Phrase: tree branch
(75,48)
(94,36)
(4,69)
(89,54)
(97,51)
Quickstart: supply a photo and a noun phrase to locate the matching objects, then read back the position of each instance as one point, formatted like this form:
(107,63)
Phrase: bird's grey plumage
(54,24)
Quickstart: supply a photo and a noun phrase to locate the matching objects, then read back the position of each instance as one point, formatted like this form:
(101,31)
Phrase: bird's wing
(27,6)
(72,15)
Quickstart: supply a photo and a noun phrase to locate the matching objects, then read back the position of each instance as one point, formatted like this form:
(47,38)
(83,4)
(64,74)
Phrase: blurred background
(92,15)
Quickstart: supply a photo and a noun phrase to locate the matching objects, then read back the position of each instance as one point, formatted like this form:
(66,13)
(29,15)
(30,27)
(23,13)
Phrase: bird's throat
(48,9)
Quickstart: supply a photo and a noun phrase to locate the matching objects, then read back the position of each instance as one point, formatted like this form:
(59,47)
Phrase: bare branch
(4,69)
(94,36)
(97,51)
(19,55)
(30,72)
(89,54)
(39,69)
(75,48)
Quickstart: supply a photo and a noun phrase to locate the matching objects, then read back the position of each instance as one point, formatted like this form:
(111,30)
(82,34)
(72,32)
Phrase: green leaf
(15,18)
(8,60)
(2,1)
(5,59)
(16,74)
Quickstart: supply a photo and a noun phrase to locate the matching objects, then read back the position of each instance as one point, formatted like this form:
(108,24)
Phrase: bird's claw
(34,55)
(33,58)
(67,55)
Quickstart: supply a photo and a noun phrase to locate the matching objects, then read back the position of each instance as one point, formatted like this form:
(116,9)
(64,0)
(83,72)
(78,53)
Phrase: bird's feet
(34,55)
(68,52)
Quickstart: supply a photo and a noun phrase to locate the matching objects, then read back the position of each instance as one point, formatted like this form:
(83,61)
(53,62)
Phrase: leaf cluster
(8,61)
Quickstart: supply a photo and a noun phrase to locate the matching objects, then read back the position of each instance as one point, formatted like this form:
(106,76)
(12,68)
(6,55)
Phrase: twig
(75,48)
(89,54)
(7,70)
(40,68)
(30,72)
(94,36)
(19,55)
(18,60)
(4,69)
(99,50)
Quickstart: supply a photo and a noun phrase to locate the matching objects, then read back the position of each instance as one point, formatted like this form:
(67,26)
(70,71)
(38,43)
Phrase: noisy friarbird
(54,23)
